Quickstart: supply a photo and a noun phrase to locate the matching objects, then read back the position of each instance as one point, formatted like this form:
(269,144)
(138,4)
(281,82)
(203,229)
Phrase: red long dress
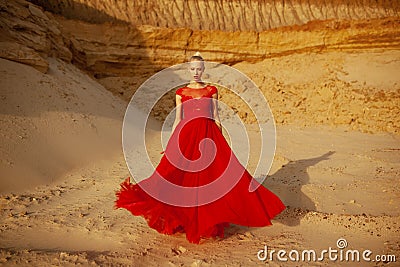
(199,186)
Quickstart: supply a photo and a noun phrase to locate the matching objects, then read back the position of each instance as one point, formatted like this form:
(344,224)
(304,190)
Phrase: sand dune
(53,123)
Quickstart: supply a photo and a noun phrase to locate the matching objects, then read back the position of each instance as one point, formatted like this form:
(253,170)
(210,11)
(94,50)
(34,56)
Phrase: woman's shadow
(287,183)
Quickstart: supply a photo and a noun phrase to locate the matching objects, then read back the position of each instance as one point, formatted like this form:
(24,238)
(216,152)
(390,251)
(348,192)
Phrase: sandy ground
(61,163)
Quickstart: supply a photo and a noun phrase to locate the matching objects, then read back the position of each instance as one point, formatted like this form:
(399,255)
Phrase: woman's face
(196,69)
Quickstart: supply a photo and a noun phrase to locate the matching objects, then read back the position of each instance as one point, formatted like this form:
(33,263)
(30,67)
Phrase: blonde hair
(196,57)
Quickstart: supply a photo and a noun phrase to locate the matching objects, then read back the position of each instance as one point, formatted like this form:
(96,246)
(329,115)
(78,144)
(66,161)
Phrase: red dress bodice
(197,103)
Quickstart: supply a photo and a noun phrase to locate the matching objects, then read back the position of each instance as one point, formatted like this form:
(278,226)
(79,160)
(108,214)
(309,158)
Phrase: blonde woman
(212,186)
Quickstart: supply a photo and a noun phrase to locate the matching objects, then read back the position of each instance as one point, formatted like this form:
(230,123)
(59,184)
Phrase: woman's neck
(196,85)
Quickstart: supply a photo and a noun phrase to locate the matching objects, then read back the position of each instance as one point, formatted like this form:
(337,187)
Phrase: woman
(210,187)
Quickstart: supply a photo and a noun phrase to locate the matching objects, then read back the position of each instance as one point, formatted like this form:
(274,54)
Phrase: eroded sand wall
(236,15)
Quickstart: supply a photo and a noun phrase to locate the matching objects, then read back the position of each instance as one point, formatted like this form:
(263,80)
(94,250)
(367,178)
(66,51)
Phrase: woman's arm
(178,116)
(215,110)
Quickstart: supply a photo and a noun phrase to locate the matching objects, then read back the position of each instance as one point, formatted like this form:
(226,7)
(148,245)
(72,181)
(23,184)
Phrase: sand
(62,161)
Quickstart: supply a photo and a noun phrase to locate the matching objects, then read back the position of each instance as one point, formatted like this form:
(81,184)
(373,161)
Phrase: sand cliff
(236,15)
(121,49)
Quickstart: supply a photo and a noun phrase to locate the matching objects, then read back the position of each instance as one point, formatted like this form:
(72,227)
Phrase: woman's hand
(215,111)
(178,116)
(218,123)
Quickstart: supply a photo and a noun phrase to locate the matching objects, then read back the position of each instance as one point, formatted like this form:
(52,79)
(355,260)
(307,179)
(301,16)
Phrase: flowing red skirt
(238,204)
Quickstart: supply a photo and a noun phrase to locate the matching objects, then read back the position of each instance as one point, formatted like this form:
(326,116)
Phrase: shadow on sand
(287,183)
